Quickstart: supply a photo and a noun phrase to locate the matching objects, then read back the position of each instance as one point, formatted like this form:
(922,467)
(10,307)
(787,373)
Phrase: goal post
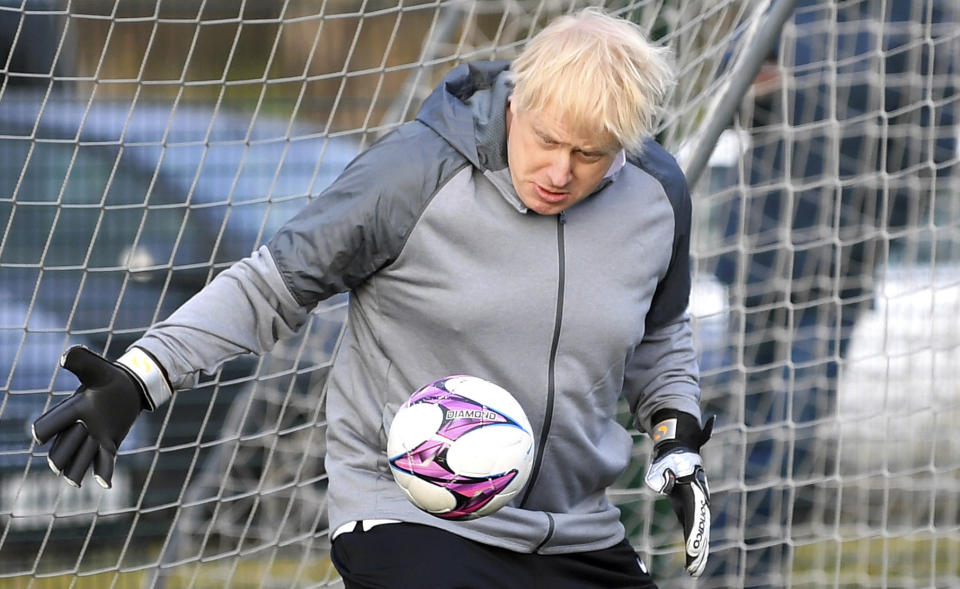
(147,145)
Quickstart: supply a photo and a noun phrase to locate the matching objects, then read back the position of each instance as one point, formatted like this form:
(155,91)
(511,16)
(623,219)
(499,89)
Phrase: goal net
(147,145)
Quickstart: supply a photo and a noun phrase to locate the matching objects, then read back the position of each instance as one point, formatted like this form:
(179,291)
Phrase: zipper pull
(563,217)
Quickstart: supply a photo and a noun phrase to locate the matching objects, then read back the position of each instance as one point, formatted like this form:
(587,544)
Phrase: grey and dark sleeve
(663,372)
(335,243)
(362,222)
(673,291)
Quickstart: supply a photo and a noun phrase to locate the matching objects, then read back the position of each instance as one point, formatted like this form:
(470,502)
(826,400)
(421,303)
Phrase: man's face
(551,168)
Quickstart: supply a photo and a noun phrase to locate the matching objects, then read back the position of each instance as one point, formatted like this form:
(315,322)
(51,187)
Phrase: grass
(236,573)
(909,560)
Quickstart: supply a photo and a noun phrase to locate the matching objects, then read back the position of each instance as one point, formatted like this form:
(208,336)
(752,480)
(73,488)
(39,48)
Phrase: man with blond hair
(523,229)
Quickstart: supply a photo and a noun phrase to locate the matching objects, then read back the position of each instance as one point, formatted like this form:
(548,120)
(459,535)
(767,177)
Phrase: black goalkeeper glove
(677,471)
(90,424)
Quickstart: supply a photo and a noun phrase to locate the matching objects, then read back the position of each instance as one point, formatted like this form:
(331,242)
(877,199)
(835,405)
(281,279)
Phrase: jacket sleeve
(663,372)
(337,241)
(245,309)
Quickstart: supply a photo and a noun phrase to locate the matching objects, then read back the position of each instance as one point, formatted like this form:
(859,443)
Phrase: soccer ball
(460,448)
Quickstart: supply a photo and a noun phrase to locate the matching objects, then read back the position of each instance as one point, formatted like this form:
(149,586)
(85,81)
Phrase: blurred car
(903,374)
(119,212)
(111,216)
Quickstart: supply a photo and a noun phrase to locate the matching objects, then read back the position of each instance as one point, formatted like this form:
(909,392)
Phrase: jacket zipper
(551,376)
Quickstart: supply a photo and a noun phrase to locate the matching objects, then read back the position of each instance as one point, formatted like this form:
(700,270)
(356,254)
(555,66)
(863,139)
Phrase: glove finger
(54,421)
(659,478)
(81,462)
(91,368)
(697,564)
(65,447)
(669,481)
(103,468)
(701,477)
(707,430)
(698,533)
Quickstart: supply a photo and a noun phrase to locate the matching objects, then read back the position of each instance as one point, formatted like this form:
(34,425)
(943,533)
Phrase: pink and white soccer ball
(460,448)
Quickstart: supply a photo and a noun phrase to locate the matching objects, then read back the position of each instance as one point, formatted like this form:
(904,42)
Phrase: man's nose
(559,173)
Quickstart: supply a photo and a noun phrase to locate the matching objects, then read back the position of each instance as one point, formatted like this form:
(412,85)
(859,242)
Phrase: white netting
(146,145)
(830,216)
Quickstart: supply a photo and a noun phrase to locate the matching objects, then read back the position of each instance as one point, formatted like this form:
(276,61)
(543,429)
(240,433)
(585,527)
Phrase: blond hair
(597,73)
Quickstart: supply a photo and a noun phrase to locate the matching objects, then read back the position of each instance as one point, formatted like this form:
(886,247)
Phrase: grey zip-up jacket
(449,273)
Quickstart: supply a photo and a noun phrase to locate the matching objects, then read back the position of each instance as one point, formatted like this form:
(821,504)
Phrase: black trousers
(412,556)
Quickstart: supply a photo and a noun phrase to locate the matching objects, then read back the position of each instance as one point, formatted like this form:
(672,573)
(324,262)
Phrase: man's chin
(547,206)
(544,208)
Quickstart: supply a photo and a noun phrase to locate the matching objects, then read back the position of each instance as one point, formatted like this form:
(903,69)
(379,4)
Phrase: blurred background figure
(834,167)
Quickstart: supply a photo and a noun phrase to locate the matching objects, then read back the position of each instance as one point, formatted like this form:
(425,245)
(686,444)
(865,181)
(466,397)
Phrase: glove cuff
(150,374)
(675,429)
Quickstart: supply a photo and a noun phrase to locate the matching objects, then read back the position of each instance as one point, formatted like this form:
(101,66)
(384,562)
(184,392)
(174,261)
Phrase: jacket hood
(468,109)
